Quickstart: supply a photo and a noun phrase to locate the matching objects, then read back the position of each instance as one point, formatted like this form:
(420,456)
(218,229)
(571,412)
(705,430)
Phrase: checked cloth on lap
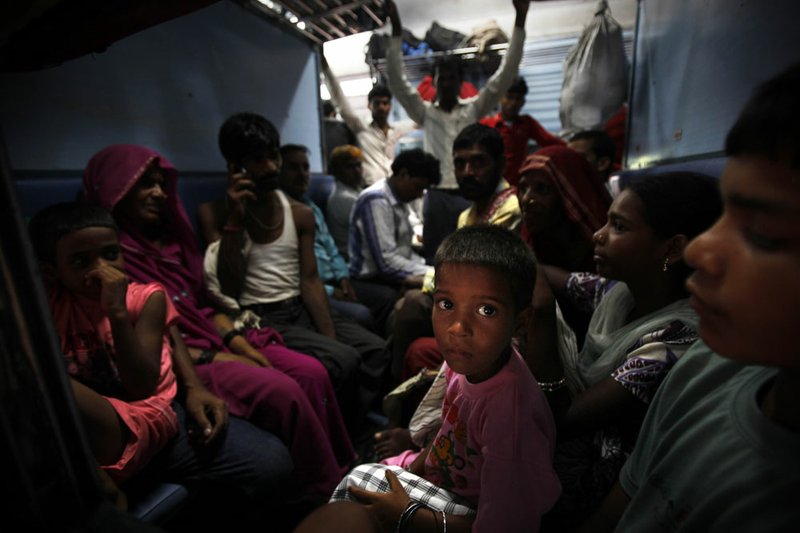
(372,477)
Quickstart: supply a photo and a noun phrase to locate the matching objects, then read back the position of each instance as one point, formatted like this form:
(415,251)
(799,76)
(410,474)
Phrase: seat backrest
(711,166)
(319,188)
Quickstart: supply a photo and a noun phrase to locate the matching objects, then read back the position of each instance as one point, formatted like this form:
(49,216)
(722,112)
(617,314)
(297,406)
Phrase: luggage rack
(417,66)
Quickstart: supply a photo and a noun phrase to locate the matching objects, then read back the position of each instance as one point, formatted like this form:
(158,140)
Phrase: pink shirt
(88,345)
(495,448)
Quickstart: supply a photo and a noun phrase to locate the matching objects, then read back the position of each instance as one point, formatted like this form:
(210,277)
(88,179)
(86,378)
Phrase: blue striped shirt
(381,236)
(330,264)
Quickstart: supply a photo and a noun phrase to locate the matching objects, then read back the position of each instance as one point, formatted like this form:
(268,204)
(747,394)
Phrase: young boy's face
(746,288)
(473,318)
(81,253)
(263,169)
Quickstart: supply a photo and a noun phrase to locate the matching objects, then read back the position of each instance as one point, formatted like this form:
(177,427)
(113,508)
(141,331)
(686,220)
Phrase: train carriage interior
(79,75)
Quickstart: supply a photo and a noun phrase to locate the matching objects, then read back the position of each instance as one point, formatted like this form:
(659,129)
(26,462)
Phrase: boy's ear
(523,317)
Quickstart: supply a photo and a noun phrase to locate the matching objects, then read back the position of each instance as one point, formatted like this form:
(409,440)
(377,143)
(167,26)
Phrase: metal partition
(695,64)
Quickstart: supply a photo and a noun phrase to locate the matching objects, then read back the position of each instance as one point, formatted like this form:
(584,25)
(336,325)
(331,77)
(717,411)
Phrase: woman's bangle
(552,386)
(206,356)
(407,514)
(226,340)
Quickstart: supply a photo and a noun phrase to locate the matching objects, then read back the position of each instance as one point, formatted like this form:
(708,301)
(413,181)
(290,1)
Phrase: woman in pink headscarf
(281,390)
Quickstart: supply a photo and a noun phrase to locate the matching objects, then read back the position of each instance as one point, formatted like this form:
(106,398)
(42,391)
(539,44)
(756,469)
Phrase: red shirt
(428,92)
(515,138)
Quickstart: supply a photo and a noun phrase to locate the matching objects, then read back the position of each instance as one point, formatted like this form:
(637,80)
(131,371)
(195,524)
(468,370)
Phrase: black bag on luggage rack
(442,39)
(377,47)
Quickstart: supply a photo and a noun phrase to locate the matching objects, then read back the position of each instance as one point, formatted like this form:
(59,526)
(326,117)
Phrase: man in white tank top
(265,263)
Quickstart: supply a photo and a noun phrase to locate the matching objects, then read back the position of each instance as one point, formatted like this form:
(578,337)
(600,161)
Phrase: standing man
(335,132)
(444,118)
(518,129)
(376,138)
(265,263)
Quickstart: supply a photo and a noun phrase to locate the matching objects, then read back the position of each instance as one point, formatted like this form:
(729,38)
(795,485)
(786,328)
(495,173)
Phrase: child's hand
(113,289)
(207,415)
(385,506)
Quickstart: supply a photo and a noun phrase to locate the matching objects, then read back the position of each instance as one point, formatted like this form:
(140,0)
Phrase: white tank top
(273,269)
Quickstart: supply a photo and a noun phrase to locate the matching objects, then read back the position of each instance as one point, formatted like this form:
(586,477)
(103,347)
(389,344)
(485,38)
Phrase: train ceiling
(42,33)
(323,20)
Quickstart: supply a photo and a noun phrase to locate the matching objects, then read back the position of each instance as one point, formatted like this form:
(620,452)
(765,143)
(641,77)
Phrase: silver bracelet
(406,515)
(444,522)
(551,386)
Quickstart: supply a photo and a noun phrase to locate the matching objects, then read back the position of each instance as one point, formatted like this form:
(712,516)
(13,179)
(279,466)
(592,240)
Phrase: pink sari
(294,398)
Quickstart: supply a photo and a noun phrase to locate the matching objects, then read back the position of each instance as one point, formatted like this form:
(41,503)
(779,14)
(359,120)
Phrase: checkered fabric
(372,477)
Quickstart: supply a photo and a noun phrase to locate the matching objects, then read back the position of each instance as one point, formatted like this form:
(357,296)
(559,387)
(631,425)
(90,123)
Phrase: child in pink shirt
(489,468)
(113,335)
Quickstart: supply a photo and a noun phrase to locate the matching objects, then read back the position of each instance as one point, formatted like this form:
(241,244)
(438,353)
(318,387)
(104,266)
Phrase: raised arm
(340,100)
(312,290)
(231,261)
(501,80)
(405,93)
(556,277)
(137,347)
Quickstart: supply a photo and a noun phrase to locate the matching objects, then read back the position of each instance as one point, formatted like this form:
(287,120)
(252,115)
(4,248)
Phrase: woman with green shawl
(641,323)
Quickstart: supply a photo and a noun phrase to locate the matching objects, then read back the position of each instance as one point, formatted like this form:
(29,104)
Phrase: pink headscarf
(177,263)
(582,191)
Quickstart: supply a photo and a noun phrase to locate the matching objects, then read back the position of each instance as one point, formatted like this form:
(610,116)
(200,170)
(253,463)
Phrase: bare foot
(391,442)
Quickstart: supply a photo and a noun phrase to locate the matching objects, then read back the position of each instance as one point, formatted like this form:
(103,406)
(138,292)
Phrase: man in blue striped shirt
(381,237)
